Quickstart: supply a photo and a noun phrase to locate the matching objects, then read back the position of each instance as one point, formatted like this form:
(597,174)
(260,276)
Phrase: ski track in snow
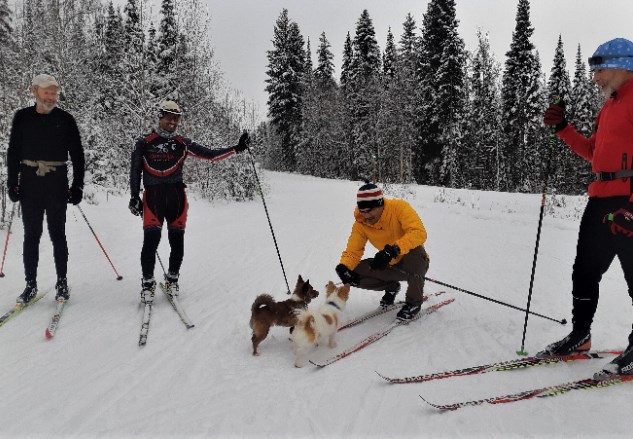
(93,380)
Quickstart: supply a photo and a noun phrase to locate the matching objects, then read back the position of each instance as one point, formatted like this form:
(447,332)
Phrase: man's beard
(47,106)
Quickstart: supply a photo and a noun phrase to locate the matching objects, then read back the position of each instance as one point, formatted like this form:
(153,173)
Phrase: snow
(93,380)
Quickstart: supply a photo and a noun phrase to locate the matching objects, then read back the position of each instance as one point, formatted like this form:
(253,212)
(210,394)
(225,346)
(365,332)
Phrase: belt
(43,166)
(607,176)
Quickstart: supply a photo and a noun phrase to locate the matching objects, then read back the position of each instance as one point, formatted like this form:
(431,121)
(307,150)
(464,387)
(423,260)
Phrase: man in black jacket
(158,158)
(42,138)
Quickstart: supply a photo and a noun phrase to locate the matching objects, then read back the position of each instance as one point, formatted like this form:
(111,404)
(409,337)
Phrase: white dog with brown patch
(313,327)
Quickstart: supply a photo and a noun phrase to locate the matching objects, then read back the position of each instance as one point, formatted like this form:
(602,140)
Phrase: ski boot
(29,293)
(171,284)
(620,365)
(408,311)
(578,340)
(390,296)
(63,292)
(148,289)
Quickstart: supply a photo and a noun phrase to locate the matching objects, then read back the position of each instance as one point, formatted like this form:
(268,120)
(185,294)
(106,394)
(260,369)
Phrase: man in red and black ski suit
(159,158)
(606,228)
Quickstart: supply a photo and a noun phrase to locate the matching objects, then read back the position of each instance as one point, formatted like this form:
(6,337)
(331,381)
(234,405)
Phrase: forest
(422,110)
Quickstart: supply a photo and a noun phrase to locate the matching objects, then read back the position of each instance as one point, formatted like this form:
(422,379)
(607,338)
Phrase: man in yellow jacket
(393,226)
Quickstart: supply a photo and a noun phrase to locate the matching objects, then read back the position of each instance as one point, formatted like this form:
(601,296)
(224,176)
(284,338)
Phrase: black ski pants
(44,195)
(596,249)
(164,202)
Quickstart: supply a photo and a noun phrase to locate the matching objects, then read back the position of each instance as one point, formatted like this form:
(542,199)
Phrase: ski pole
(261,193)
(6,241)
(562,322)
(552,140)
(118,276)
(160,261)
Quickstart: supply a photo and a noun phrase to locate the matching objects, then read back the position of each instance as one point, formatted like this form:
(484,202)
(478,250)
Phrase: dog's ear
(306,286)
(330,287)
(345,291)
(299,280)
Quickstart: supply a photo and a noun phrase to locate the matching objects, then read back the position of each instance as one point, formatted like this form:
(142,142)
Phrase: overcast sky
(242,30)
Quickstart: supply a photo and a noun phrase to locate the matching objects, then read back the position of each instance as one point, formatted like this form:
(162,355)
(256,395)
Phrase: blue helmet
(614,54)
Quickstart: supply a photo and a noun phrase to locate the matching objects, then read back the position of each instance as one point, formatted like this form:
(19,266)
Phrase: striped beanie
(369,196)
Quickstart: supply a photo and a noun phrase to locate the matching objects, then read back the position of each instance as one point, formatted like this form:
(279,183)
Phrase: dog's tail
(262,302)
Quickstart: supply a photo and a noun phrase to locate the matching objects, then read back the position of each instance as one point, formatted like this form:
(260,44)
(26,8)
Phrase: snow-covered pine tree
(452,97)
(406,90)
(167,76)
(286,63)
(521,107)
(363,99)
(582,116)
(440,47)
(565,163)
(318,154)
(389,60)
(485,161)
(388,122)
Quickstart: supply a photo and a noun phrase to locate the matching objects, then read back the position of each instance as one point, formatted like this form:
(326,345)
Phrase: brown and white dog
(315,326)
(265,312)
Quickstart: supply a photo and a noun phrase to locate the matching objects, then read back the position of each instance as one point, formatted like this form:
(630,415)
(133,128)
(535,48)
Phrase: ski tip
(384,377)
(48,334)
(320,366)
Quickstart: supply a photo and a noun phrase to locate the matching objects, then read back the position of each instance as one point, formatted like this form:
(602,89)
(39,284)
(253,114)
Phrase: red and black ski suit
(159,158)
(609,149)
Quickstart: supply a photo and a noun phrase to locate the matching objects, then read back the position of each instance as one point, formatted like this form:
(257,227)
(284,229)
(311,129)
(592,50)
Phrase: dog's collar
(334,305)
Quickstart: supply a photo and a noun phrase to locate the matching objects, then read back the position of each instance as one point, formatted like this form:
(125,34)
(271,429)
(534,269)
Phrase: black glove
(75,194)
(14,193)
(555,116)
(136,205)
(243,143)
(384,256)
(347,276)
(622,220)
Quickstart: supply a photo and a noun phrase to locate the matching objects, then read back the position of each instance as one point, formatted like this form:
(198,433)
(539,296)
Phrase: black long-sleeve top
(159,159)
(51,137)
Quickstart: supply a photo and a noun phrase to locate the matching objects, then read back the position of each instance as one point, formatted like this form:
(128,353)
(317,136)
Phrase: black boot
(63,293)
(389,297)
(578,340)
(30,291)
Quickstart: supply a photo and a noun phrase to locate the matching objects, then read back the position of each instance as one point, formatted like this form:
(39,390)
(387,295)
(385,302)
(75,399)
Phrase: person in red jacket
(158,159)
(606,228)
(393,226)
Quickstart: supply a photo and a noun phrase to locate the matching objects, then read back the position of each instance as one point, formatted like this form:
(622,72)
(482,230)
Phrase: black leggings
(33,218)
(596,249)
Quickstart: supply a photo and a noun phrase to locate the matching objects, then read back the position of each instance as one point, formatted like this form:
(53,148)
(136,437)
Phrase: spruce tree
(286,64)
(522,107)
(484,159)
(564,162)
(389,59)
(167,56)
(442,73)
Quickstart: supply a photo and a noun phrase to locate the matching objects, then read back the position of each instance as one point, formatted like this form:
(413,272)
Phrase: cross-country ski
(543,392)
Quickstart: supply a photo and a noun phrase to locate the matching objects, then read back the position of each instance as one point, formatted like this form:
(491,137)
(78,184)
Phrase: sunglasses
(597,60)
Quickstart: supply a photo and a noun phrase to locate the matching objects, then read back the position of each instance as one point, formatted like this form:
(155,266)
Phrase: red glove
(555,116)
